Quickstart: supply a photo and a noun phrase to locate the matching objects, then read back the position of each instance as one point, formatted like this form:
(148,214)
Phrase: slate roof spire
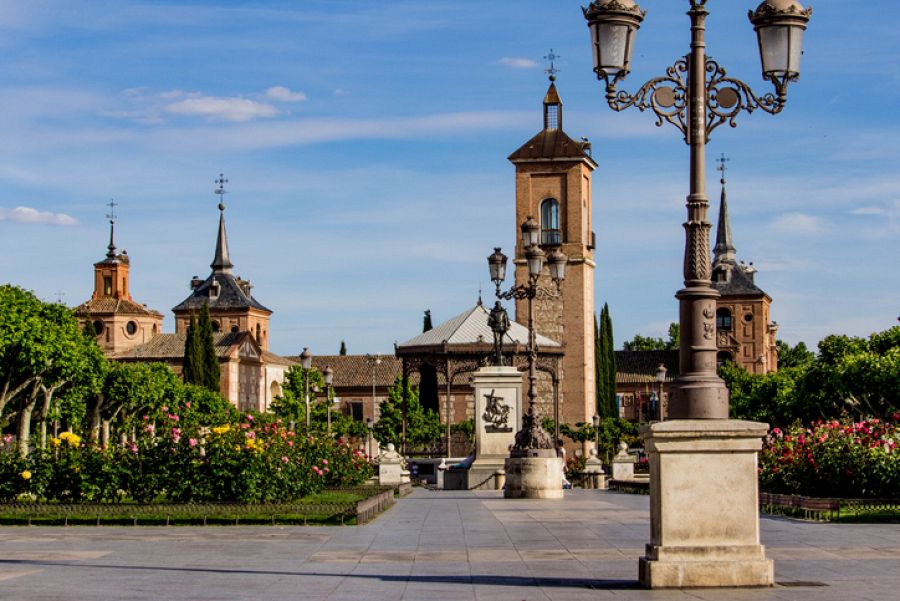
(111,249)
(724,250)
(221,261)
(552,102)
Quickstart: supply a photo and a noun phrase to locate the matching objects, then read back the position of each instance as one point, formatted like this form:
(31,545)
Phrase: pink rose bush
(833,459)
(255,459)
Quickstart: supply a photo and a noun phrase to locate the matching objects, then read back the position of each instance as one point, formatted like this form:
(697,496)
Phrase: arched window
(550,231)
(723,357)
(723,320)
(216,326)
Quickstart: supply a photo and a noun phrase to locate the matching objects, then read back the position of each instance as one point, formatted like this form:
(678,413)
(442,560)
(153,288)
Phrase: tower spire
(111,249)
(221,261)
(552,103)
(724,249)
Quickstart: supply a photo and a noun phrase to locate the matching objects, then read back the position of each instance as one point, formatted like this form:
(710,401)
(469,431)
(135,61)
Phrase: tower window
(552,116)
(131,327)
(723,320)
(216,326)
(107,285)
(98,327)
(550,231)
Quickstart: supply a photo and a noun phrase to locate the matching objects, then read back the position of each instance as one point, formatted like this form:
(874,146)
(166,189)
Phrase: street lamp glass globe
(661,373)
(328,375)
(779,26)
(613,25)
(497,266)
(531,233)
(557,260)
(306,358)
(535,257)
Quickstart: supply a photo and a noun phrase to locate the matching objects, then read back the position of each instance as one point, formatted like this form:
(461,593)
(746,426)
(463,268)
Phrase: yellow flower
(26,475)
(72,439)
(222,429)
(55,442)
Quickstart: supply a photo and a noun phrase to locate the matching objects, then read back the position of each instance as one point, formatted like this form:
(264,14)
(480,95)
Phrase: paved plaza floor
(431,546)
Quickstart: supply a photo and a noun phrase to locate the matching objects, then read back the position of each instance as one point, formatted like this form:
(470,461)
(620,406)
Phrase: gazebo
(464,343)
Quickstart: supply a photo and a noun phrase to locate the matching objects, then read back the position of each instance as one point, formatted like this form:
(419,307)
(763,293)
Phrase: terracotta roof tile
(639,367)
(116,306)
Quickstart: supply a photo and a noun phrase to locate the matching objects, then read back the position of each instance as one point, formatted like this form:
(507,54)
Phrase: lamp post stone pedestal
(709,537)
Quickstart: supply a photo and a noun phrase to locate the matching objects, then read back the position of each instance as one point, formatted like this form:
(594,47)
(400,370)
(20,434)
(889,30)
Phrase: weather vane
(721,161)
(551,70)
(112,204)
(220,190)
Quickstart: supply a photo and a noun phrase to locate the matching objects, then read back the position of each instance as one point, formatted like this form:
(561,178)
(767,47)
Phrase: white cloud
(228,109)
(869,211)
(517,63)
(283,94)
(341,92)
(798,223)
(29,215)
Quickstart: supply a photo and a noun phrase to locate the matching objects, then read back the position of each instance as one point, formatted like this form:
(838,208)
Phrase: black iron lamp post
(532,438)
(328,375)
(596,421)
(306,364)
(697,96)
(370,424)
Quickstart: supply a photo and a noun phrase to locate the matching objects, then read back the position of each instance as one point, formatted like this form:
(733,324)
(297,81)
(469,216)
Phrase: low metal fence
(377,500)
(825,509)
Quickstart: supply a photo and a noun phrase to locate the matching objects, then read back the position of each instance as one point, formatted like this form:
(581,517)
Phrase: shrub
(834,459)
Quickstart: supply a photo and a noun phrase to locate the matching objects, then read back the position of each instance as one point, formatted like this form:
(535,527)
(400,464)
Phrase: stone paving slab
(431,546)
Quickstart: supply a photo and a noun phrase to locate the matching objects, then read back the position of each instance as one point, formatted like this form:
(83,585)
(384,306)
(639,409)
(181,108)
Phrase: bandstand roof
(471,328)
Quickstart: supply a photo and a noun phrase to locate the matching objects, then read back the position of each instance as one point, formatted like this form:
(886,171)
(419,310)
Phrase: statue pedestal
(498,416)
(704,506)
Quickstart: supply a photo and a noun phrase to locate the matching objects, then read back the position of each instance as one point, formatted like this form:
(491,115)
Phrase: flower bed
(255,460)
(833,459)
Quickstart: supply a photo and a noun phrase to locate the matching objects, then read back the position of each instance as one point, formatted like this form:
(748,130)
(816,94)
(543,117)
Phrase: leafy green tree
(423,426)
(291,404)
(42,349)
(647,343)
(428,380)
(130,391)
(793,356)
(209,360)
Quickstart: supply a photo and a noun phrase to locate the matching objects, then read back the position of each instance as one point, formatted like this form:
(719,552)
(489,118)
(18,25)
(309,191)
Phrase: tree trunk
(45,410)
(23,427)
(104,437)
(95,418)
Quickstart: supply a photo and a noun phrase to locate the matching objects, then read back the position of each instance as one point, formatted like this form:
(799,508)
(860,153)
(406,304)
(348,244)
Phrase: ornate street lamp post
(532,438)
(697,96)
(661,378)
(328,375)
(306,364)
(686,547)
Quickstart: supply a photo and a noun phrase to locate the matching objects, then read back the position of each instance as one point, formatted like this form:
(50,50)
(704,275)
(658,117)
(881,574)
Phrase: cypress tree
(207,355)
(428,384)
(190,371)
(610,359)
(343,351)
(599,371)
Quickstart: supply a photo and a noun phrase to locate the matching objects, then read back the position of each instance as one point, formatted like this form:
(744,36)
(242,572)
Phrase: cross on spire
(721,161)
(551,70)
(112,204)
(220,190)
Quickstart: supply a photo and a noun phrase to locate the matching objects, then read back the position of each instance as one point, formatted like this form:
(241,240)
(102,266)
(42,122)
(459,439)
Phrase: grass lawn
(335,507)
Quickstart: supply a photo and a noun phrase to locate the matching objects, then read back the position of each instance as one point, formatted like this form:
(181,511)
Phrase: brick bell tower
(553,185)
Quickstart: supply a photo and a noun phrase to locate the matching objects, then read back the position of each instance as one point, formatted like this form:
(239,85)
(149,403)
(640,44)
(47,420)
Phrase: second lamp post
(532,437)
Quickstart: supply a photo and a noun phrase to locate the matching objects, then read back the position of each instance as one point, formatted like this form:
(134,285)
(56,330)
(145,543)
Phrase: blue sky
(366,142)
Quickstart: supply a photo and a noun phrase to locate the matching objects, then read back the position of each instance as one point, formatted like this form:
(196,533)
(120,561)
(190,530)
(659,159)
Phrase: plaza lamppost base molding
(498,416)
(704,510)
